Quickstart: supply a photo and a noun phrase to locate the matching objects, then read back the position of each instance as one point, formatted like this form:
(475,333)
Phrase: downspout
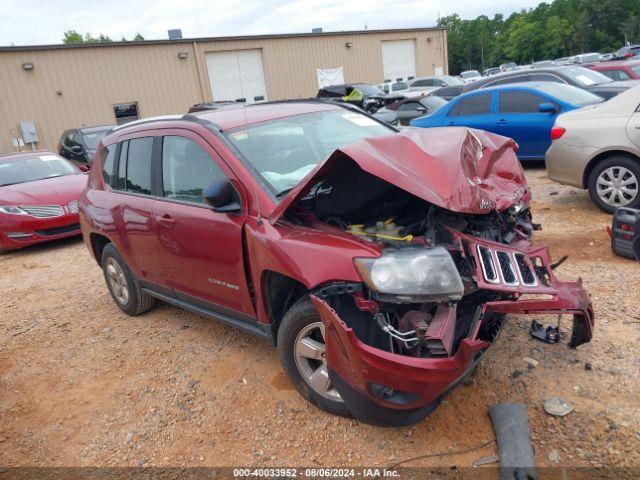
(200,80)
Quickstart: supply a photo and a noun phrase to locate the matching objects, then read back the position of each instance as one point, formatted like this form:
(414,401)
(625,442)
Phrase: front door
(200,249)
(519,117)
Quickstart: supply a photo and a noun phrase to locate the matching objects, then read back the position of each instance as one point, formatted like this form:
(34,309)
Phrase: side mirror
(77,149)
(421,109)
(222,196)
(547,108)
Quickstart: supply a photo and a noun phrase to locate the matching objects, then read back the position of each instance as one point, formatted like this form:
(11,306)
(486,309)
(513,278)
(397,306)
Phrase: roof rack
(141,121)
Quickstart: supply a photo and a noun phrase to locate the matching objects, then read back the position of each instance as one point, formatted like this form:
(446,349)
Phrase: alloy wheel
(617,186)
(117,281)
(312,362)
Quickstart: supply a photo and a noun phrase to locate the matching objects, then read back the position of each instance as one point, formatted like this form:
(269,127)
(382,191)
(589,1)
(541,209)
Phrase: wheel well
(98,242)
(280,292)
(603,156)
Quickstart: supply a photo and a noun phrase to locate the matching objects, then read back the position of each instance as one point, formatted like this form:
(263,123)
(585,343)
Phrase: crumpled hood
(460,169)
(49,191)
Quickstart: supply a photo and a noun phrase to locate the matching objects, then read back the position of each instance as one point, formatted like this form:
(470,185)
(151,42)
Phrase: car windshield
(285,150)
(636,69)
(31,168)
(470,74)
(569,94)
(399,86)
(432,102)
(368,90)
(92,138)
(585,77)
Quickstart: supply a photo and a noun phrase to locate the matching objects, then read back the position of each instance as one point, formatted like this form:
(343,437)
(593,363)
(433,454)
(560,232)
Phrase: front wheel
(615,182)
(301,347)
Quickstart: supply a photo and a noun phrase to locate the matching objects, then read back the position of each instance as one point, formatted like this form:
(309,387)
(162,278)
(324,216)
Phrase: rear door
(201,250)
(474,110)
(518,117)
(132,209)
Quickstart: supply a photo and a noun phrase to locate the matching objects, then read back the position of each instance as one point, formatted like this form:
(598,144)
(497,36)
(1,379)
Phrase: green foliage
(72,36)
(548,31)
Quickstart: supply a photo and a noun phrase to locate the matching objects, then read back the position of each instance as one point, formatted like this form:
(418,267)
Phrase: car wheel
(302,355)
(122,284)
(615,182)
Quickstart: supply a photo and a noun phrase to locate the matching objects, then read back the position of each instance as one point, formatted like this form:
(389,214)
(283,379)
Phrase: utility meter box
(28,131)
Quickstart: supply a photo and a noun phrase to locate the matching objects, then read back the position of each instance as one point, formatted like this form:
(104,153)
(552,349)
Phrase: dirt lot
(82,384)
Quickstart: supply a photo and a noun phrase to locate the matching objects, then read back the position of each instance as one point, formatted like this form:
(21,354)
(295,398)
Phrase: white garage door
(236,75)
(398,59)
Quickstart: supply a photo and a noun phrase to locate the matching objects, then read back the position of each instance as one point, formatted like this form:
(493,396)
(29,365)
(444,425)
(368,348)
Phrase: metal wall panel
(71,87)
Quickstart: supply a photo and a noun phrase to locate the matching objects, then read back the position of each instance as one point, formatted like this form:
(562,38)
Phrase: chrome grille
(506,268)
(526,274)
(488,264)
(73,207)
(43,211)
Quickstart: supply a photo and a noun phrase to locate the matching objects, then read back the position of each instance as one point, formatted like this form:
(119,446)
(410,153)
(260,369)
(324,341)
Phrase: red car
(380,263)
(618,69)
(38,198)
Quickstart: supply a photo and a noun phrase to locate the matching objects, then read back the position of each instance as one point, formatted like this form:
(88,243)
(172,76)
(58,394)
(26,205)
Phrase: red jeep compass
(380,263)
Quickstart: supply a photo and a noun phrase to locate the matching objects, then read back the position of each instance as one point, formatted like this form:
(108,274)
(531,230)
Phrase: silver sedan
(598,148)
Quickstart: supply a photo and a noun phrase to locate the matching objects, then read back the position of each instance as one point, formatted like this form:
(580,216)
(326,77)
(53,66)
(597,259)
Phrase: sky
(31,22)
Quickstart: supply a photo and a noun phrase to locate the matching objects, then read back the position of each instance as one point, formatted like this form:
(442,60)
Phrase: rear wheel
(301,347)
(615,182)
(122,284)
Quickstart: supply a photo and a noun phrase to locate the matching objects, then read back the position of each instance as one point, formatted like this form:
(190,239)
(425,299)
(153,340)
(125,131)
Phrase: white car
(429,84)
(394,87)
(469,76)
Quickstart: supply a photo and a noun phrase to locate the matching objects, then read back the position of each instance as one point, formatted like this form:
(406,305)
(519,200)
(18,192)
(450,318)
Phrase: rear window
(569,94)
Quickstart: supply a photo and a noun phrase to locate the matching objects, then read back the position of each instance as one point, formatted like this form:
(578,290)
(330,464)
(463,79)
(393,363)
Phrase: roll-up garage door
(398,59)
(236,75)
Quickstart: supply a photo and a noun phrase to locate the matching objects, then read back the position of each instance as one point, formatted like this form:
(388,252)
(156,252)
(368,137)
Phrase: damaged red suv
(380,263)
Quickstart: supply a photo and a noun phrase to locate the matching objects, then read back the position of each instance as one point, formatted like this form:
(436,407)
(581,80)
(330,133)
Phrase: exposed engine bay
(363,205)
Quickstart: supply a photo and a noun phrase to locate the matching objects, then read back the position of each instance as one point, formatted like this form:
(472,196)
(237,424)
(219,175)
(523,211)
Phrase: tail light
(557,132)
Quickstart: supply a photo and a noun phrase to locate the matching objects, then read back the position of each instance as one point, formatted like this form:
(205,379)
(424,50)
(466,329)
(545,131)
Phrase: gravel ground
(82,384)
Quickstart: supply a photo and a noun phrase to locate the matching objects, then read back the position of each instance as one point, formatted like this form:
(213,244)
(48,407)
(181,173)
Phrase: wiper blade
(283,192)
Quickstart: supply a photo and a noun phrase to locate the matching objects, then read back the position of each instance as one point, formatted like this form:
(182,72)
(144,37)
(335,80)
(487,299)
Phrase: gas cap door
(633,128)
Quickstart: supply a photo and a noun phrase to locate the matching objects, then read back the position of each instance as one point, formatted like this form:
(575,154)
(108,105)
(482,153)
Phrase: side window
(186,169)
(612,74)
(138,177)
(475,105)
(107,158)
(422,83)
(519,102)
(121,180)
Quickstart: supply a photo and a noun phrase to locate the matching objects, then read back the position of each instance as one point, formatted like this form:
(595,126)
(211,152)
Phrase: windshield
(31,168)
(91,139)
(285,150)
(368,90)
(399,86)
(470,74)
(585,77)
(452,81)
(569,94)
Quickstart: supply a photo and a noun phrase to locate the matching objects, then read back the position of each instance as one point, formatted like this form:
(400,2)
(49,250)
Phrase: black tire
(302,314)
(136,302)
(627,162)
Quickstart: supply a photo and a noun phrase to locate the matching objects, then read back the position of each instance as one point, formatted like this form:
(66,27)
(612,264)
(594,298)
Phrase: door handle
(501,120)
(166,219)
(452,123)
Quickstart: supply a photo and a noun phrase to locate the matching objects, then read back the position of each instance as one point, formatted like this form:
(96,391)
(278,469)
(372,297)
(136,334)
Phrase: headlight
(412,275)
(12,210)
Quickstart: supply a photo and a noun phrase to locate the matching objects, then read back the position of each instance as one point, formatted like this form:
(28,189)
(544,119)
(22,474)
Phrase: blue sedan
(523,111)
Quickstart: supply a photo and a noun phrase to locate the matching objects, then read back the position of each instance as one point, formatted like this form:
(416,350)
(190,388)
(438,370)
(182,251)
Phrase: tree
(138,38)
(71,36)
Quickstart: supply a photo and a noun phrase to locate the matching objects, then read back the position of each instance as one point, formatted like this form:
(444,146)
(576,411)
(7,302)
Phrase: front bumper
(412,387)
(23,231)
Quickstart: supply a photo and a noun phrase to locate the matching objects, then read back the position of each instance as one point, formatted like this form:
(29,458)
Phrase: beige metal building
(65,86)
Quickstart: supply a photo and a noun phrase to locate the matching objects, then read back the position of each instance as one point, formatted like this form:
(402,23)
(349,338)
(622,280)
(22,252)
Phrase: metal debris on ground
(557,407)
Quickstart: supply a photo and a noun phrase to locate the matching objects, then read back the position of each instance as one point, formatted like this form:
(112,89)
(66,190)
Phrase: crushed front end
(435,298)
